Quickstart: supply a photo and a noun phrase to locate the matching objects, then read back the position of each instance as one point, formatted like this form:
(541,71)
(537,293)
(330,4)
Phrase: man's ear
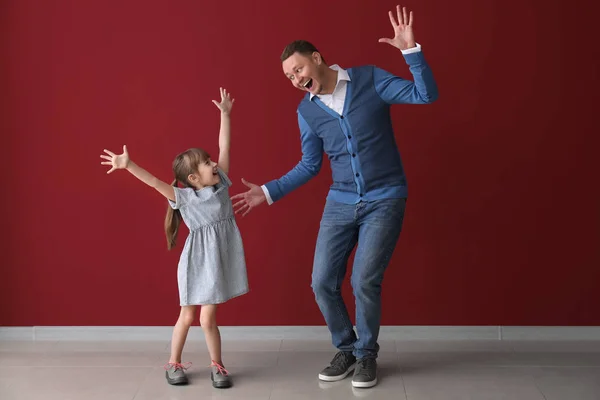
(317,58)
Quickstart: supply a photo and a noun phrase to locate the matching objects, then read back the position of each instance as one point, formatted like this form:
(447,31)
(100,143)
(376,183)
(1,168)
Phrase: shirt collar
(341,76)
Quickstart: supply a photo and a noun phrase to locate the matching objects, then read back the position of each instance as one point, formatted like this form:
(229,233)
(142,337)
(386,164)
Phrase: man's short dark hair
(299,46)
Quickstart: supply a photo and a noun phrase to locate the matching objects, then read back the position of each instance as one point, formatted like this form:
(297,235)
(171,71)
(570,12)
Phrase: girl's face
(206,175)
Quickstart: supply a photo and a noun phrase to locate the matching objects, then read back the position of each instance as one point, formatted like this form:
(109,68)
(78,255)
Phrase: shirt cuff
(412,49)
(267,195)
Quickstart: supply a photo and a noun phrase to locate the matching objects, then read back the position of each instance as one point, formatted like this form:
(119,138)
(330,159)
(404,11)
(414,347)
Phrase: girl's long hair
(184,165)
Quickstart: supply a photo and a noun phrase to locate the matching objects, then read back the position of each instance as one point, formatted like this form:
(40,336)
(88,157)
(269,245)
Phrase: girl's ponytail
(172,221)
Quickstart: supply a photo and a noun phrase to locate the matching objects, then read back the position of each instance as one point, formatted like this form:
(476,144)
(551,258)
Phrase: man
(346,114)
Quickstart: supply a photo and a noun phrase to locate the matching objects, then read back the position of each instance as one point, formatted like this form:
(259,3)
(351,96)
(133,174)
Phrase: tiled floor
(287,370)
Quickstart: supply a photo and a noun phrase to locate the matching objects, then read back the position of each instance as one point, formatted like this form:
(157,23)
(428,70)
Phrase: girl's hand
(226,102)
(120,161)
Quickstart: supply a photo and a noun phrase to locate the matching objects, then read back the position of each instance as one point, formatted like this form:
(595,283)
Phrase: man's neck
(330,83)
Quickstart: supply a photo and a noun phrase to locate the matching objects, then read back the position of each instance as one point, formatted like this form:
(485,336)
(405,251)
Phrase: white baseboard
(151,333)
(549,333)
(16,333)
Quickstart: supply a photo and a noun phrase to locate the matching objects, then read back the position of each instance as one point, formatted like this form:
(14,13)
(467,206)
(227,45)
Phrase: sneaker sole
(180,381)
(221,385)
(364,384)
(328,378)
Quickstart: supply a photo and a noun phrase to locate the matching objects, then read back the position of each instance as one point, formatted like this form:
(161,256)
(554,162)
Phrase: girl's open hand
(226,102)
(120,161)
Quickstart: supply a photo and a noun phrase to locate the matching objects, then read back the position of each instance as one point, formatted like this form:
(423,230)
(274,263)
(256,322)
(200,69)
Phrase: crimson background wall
(502,224)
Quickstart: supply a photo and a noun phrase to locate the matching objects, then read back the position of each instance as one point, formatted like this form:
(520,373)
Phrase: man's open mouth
(308,84)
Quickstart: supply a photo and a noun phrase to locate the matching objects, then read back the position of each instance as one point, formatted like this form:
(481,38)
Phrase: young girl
(211,268)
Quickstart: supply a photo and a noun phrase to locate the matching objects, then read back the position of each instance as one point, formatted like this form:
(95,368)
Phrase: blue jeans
(375,226)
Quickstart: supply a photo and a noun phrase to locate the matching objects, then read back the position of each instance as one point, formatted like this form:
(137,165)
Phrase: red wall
(502,225)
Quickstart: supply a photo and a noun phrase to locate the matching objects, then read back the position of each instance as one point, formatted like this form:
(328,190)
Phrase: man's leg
(337,237)
(380,224)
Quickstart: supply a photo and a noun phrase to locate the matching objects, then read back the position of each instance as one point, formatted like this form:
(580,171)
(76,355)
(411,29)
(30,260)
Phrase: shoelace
(339,358)
(365,363)
(178,366)
(220,369)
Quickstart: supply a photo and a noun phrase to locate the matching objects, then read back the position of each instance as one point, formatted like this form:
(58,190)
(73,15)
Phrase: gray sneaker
(365,374)
(220,376)
(339,368)
(175,373)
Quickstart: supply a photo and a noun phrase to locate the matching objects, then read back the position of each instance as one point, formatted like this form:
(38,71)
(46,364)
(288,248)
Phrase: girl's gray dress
(212,267)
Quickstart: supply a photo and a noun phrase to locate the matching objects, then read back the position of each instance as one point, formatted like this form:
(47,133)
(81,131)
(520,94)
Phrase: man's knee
(321,274)
(323,287)
(318,285)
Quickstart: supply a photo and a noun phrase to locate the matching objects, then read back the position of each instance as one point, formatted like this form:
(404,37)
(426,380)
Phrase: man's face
(305,72)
